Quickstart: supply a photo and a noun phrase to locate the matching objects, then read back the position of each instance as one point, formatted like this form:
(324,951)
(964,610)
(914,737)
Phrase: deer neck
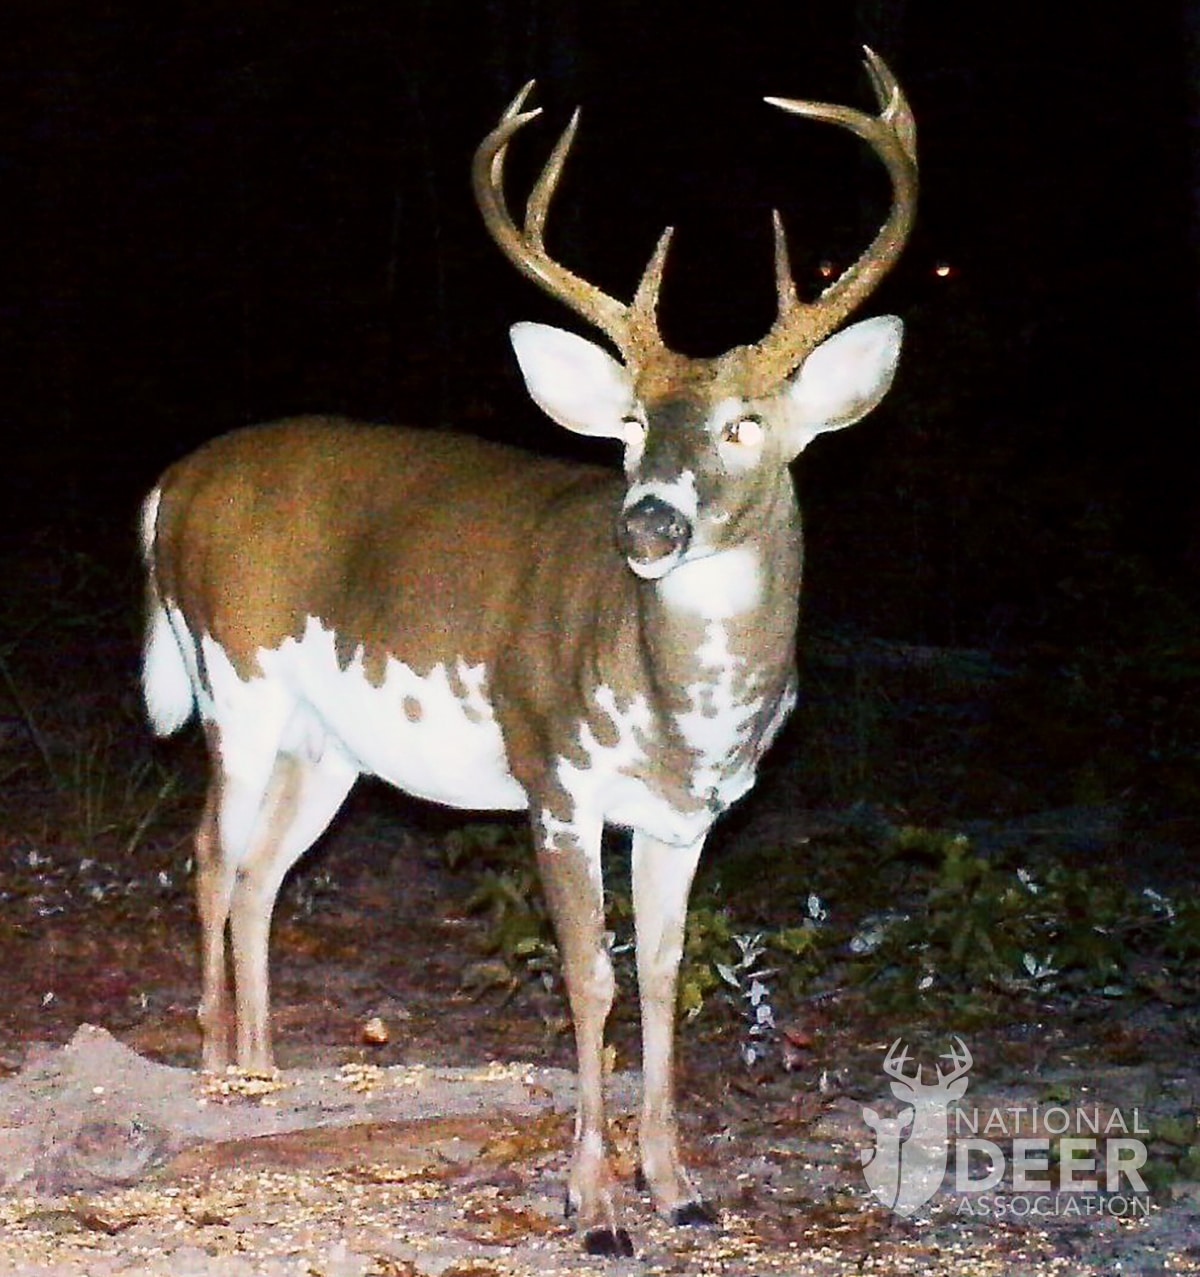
(743,598)
(719,630)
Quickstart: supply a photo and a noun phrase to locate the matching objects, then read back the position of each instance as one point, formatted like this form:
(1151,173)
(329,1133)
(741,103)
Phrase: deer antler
(892,135)
(633,328)
(960,1063)
(893,1064)
(799,326)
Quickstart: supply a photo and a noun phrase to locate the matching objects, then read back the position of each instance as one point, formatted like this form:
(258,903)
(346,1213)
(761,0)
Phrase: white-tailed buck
(489,629)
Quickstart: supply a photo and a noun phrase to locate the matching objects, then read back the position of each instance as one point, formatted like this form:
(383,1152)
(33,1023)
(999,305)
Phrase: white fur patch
(783,707)
(603,789)
(586,784)
(149,527)
(167,682)
(716,586)
(413,731)
(680,493)
(718,724)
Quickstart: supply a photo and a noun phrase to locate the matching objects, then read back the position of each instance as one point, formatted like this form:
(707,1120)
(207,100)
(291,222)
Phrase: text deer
(493,630)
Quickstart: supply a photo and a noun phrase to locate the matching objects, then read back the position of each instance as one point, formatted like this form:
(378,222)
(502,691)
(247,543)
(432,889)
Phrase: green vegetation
(916,920)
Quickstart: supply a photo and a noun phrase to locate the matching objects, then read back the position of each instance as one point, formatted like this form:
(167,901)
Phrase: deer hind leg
(662,879)
(301,798)
(241,768)
(569,863)
(244,724)
(214,890)
(263,807)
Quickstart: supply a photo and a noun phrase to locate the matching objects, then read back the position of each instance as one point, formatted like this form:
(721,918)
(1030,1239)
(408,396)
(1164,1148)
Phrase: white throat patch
(717,586)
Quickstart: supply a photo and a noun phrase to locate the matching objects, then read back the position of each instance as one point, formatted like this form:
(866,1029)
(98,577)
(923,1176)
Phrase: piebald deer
(489,629)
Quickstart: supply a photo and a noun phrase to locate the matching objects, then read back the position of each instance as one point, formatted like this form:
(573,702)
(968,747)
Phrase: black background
(224,213)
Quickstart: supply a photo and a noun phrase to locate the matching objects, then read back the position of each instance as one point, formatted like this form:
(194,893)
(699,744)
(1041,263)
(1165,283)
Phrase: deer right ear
(573,381)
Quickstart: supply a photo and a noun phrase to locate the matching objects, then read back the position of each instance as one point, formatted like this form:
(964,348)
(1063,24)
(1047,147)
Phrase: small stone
(375,1032)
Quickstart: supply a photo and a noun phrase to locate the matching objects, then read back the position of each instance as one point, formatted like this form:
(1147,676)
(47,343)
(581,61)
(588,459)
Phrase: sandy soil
(115,1164)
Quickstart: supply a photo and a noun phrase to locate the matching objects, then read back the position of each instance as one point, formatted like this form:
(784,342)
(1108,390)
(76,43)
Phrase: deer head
(702,436)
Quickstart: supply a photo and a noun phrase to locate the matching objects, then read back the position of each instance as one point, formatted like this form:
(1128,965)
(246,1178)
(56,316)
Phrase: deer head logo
(908,1162)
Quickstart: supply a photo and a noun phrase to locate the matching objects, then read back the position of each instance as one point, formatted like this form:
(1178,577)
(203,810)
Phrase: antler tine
(633,329)
(785,285)
(892,135)
(538,203)
(642,335)
(893,1064)
(895,111)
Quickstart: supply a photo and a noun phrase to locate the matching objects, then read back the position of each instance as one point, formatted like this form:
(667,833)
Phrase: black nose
(651,529)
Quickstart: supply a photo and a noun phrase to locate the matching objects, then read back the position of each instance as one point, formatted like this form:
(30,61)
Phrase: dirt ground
(421,1121)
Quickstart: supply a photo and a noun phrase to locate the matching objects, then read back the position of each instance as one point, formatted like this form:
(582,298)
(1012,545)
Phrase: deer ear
(842,380)
(573,381)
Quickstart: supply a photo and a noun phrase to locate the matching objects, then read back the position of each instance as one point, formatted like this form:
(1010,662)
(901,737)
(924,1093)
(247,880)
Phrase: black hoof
(608,1241)
(639,1180)
(695,1213)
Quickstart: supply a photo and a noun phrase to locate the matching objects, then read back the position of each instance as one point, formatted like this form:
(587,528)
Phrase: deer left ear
(573,381)
(842,380)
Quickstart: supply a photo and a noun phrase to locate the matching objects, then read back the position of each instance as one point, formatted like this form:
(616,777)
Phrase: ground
(421,1122)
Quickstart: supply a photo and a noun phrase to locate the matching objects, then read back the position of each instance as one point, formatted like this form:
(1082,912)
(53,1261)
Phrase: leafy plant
(975,923)
(752,996)
(517,936)
(518,940)
(518,928)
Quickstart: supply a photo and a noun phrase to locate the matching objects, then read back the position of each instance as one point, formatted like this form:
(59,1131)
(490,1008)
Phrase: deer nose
(651,534)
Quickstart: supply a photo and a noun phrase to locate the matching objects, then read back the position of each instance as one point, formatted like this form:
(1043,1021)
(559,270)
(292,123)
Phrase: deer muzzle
(653,535)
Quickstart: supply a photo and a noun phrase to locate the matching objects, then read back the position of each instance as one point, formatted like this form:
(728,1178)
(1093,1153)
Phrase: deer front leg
(662,879)
(569,862)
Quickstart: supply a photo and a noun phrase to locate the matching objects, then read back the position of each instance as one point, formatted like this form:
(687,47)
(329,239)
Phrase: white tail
(489,629)
(167,686)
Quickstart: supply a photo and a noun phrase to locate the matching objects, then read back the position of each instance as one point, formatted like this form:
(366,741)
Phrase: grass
(112,801)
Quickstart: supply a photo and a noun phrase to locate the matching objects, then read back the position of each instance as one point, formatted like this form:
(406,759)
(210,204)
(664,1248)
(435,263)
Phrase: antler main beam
(892,135)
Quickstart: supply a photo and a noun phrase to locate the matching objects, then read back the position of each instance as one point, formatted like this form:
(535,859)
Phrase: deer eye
(744,432)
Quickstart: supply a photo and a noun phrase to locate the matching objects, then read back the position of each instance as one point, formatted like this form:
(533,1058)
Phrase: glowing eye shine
(745,432)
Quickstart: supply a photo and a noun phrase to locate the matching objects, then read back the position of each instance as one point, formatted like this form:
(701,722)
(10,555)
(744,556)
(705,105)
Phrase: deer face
(706,446)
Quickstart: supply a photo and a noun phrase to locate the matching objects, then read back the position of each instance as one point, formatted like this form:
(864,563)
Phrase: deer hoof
(695,1213)
(608,1241)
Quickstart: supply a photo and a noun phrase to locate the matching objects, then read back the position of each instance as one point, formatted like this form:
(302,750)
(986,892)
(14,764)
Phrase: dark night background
(226,213)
